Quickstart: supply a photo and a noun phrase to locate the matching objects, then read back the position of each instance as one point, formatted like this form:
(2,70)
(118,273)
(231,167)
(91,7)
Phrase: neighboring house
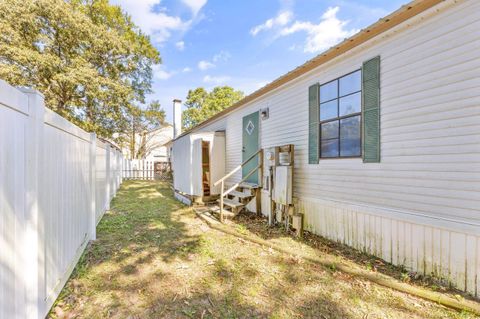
(386,130)
(157,144)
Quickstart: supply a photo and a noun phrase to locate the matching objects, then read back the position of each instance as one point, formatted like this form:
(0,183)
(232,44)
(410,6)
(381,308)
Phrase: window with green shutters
(340,113)
(344,116)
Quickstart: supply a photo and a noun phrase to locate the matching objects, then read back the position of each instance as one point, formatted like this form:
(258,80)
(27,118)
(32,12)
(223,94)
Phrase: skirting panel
(443,251)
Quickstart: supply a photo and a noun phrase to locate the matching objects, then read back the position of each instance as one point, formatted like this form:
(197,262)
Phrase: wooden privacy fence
(146,169)
(56,181)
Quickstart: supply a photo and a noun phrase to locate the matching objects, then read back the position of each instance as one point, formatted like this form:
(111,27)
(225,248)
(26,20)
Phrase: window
(340,112)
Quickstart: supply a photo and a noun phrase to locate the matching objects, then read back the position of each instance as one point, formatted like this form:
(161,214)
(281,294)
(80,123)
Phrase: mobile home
(386,131)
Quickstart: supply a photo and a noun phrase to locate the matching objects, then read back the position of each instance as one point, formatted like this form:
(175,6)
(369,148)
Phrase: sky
(242,43)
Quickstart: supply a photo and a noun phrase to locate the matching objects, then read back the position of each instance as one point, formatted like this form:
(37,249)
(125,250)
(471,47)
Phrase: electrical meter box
(283,185)
(270,157)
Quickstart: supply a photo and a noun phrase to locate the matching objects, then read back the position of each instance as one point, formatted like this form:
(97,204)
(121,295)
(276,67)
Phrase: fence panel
(13,124)
(63,197)
(100,180)
(146,169)
(56,181)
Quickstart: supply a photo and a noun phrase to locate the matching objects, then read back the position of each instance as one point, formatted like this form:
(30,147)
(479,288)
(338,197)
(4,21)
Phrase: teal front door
(250,145)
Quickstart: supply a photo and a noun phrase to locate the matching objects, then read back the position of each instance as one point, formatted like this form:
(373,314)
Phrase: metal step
(240,195)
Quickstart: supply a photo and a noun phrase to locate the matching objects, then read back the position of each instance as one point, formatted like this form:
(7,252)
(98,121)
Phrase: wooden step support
(234,206)
(226,213)
(240,195)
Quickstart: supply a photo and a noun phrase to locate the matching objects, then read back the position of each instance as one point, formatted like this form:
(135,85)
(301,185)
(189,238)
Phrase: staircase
(233,200)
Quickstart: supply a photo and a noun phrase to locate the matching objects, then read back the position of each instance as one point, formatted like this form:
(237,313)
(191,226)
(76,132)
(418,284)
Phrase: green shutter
(313,118)
(371,110)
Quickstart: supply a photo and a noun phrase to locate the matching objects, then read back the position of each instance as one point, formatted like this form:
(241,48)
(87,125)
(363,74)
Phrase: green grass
(154,259)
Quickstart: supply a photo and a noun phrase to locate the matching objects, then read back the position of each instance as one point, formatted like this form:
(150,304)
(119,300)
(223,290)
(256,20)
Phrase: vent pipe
(177,117)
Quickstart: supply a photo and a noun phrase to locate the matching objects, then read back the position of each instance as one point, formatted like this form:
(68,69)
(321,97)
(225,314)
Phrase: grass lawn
(154,259)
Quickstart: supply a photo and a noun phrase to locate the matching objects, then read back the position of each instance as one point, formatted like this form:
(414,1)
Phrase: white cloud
(186,69)
(205,65)
(157,23)
(222,56)
(195,5)
(160,73)
(328,32)
(216,79)
(180,45)
(282,19)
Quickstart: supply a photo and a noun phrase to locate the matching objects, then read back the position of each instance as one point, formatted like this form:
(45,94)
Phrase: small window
(340,117)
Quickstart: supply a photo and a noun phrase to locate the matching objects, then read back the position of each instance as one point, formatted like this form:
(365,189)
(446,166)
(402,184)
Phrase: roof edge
(384,24)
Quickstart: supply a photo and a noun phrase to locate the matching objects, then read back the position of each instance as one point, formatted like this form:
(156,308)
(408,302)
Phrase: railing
(221,181)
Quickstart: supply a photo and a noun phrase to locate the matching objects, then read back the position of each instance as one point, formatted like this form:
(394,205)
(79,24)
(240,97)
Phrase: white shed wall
(187,162)
(182,164)
(420,206)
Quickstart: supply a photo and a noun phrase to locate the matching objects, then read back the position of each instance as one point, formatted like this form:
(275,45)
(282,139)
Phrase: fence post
(107,204)
(33,249)
(93,182)
(119,170)
(122,163)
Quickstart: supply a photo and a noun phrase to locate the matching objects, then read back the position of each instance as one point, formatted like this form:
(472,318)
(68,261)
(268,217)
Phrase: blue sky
(244,44)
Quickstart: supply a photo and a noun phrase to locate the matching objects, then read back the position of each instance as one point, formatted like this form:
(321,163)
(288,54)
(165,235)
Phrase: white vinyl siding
(429,174)
(429,122)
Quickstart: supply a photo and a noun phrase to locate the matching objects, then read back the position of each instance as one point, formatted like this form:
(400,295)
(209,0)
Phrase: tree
(202,105)
(141,124)
(86,56)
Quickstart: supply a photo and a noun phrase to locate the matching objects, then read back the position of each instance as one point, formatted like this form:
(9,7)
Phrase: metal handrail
(221,181)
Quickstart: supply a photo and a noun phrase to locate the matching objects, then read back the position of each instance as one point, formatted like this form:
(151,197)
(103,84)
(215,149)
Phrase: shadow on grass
(144,219)
(258,226)
(240,290)
(153,259)
(144,224)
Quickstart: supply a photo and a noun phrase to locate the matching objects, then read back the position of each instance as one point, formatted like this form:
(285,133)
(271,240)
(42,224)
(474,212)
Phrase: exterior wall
(156,150)
(48,192)
(156,144)
(182,165)
(187,162)
(419,206)
(160,154)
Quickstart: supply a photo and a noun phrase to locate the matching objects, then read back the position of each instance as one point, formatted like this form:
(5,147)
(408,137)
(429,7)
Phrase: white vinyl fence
(146,169)
(56,181)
